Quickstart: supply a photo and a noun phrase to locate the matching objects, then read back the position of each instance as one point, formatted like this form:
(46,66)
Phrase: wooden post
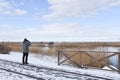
(81,59)
(119,62)
(58,57)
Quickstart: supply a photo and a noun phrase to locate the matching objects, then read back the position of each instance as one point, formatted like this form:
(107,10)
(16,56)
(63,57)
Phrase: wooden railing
(93,59)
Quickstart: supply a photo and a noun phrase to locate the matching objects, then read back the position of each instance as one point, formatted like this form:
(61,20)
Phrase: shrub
(4,49)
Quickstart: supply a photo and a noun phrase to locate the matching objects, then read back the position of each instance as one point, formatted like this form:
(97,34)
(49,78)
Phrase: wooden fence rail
(64,53)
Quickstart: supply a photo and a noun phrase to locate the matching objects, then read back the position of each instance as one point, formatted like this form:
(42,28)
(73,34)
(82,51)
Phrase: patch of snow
(51,62)
(107,68)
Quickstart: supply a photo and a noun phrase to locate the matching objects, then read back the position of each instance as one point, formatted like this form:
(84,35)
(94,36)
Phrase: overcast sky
(60,20)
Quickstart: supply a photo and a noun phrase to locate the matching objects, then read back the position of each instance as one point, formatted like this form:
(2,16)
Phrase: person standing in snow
(26,44)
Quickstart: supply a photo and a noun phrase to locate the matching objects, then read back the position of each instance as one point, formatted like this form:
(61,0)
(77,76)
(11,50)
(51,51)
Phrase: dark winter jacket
(26,45)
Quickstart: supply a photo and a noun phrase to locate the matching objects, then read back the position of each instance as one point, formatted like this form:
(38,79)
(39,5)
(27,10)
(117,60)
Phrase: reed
(50,48)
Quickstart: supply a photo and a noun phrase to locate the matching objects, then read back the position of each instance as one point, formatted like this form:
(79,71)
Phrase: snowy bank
(51,62)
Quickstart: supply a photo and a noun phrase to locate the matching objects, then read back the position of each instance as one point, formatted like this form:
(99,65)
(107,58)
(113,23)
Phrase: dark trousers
(25,58)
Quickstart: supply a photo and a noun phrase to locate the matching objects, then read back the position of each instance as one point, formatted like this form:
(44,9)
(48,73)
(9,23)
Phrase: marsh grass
(51,49)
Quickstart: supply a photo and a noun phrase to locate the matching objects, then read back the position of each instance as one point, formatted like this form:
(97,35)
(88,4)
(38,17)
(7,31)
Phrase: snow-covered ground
(47,69)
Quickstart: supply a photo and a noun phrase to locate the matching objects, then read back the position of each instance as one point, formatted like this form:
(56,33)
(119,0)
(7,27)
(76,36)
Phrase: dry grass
(4,48)
(51,50)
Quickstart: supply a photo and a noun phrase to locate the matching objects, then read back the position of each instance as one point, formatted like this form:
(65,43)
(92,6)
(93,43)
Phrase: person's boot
(26,63)
(23,62)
